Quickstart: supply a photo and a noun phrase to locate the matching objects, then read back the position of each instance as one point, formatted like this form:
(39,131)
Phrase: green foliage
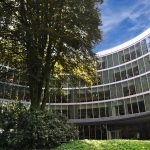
(105,145)
(39,34)
(22,128)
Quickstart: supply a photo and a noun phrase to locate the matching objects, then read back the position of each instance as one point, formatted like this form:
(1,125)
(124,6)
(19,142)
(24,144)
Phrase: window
(130,73)
(123,75)
(123,59)
(136,71)
(132,89)
(104,112)
(125,91)
(141,106)
(101,95)
(129,108)
(135,107)
(117,76)
(138,50)
(119,110)
(133,55)
(144,46)
(96,112)
(129,90)
(89,113)
(103,64)
(107,94)
(127,58)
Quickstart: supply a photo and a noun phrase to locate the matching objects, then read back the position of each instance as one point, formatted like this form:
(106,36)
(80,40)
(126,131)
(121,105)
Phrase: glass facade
(122,91)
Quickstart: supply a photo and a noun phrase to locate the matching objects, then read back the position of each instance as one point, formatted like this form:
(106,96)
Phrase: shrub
(22,128)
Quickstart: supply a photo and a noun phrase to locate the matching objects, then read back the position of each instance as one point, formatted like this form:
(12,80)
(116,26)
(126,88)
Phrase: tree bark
(35,94)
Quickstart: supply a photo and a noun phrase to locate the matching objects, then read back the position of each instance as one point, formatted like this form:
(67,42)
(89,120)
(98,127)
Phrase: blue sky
(122,20)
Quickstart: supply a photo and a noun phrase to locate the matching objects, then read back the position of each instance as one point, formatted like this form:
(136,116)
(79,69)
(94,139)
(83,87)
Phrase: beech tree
(42,33)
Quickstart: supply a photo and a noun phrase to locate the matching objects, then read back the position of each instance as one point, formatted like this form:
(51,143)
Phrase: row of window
(123,89)
(127,71)
(126,74)
(124,56)
(132,108)
(13,92)
(114,108)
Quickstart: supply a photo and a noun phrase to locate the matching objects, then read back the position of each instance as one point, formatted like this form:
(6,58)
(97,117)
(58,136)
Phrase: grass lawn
(105,145)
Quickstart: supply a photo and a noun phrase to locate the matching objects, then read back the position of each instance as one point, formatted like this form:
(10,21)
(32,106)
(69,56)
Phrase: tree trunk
(46,93)
(35,88)
(34,77)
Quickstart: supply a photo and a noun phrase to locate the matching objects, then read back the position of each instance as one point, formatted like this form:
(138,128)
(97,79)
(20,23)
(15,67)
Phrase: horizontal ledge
(112,119)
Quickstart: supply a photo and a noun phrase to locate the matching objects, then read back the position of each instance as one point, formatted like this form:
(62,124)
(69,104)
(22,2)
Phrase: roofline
(124,45)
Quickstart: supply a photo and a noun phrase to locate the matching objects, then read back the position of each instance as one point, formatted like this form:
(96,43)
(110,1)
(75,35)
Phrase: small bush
(22,128)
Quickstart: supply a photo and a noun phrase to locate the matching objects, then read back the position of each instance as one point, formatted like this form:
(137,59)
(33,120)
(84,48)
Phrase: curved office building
(118,106)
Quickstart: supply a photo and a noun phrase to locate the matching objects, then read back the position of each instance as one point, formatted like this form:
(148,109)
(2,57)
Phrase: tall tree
(45,32)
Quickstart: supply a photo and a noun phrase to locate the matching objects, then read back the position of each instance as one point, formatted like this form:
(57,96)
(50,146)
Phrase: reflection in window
(133,107)
(117,76)
(96,112)
(123,75)
(103,65)
(130,73)
(138,50)
(129,90)
(120,110)
(104,95)
(107,94)
(136,71)
(127,58)
(133,55)
(144,46)
(104,112)
(141,106)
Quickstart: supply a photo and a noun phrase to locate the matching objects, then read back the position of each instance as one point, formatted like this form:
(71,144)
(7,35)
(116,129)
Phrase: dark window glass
(117,76)
(117,110)
(132,89)
(125,91)
(141,106)
(130,73)
(107,94)
(133,55)
(129,90)
(96,112)
(89,113)
(123,75)
(127,57)
(83,113)
(129,108)
(101,95)
(135,107)
(103,65)
(123,59)
(102,112)
(136,71)
(138,52)
(121,110)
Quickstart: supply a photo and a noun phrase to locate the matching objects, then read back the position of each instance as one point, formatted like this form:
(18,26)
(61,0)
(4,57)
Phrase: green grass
(105,145)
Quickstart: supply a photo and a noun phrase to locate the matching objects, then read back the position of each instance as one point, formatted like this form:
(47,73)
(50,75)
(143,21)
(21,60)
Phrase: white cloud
(112,18)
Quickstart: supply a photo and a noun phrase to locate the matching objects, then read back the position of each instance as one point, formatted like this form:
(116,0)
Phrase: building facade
(117,106)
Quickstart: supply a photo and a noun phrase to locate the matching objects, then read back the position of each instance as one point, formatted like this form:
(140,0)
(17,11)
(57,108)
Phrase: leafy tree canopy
(42,34)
